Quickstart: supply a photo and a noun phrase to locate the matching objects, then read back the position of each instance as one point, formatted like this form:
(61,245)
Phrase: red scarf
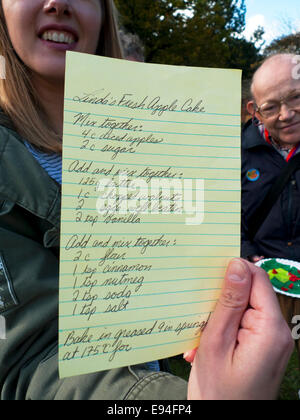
(292,152)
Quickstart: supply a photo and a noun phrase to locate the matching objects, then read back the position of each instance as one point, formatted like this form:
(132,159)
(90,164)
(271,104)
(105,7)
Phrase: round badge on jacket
(253,175)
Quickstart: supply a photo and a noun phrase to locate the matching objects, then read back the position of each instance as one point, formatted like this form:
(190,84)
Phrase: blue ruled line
(150,110)
(144,282)
(141,132)
(153,120)
(173,144)
(161,154)
(144,295)
(153,166)
(146,271)
(146,307)
(133,322)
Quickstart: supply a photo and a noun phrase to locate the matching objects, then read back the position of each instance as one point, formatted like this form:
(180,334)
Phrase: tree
(284,44)
(210,29)
(191,32)
(157,23)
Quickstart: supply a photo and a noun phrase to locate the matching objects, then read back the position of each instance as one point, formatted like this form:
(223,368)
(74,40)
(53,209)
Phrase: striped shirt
(51,162)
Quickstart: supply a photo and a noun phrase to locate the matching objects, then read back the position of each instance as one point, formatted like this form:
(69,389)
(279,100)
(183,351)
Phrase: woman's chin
(53,72)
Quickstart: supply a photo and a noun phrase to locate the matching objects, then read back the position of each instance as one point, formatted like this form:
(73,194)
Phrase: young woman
(246,336)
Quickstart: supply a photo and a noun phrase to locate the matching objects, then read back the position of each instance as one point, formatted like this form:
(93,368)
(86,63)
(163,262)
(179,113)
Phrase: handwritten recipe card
(150,208)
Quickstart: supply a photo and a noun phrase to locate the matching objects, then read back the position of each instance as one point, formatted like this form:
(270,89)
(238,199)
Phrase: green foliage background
(203,33)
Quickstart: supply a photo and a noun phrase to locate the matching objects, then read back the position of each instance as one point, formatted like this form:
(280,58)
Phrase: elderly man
(270,148)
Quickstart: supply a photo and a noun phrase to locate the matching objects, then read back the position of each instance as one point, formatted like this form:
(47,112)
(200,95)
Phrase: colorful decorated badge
(284,275)
(253,175)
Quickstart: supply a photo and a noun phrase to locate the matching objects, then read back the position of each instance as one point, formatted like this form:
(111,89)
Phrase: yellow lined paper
(150,208)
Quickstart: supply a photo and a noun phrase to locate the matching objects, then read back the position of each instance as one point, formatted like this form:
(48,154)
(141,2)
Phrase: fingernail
(236,271)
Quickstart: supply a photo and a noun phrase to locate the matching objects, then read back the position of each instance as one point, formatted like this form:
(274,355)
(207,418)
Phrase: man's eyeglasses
(272,108)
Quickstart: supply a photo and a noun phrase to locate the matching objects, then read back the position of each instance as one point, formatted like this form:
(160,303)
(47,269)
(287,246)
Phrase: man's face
(273,84)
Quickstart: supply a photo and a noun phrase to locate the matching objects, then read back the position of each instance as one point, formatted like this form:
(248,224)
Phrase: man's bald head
(273,65)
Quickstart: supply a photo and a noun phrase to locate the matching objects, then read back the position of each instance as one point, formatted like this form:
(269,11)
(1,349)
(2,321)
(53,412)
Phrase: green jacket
(29,262)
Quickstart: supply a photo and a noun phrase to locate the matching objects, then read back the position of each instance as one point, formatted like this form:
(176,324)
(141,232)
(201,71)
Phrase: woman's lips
(58,46)
(47,34)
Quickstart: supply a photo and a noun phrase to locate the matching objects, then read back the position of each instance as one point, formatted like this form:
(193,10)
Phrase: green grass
(291,382)
(180,367)
(289,388)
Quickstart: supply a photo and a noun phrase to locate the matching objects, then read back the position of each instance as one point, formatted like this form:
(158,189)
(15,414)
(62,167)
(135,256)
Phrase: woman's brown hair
(18,99)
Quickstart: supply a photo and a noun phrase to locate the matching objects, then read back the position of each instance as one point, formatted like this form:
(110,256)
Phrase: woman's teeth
(60,37)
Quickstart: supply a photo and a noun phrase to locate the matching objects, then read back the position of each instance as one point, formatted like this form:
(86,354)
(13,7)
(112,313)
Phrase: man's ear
(251,108)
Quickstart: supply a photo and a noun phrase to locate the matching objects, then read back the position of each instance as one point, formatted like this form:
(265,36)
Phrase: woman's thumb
(222,328)
(233,302)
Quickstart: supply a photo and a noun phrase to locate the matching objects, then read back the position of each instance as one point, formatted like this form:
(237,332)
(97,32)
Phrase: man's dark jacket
(279,235)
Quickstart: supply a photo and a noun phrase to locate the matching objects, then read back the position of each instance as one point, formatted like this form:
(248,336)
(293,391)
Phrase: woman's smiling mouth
(58,36)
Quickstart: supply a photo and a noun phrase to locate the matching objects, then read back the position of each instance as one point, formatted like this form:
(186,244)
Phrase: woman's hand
(245,348)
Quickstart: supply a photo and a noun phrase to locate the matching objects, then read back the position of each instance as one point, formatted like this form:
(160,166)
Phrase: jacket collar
(252,137)
(24,182)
